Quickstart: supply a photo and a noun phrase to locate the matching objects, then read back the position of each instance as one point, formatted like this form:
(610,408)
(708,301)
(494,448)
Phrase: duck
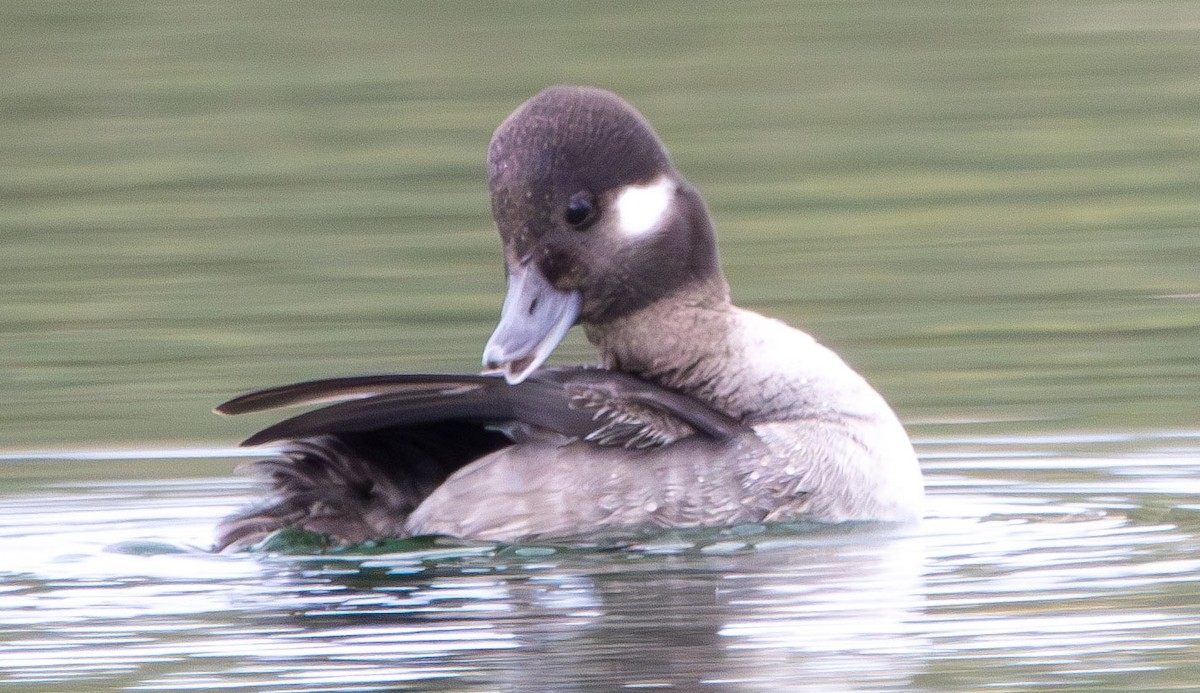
(697,414)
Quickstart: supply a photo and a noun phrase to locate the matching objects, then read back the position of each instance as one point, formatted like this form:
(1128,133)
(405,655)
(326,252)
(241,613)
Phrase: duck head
(595,220)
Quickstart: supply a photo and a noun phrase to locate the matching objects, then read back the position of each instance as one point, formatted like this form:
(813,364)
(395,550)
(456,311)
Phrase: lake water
(991,210)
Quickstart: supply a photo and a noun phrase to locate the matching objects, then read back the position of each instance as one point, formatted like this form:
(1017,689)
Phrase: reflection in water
(829,607)
(789,612)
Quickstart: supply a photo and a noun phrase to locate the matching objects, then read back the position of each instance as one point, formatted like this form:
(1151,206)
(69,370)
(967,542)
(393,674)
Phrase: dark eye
(580,209)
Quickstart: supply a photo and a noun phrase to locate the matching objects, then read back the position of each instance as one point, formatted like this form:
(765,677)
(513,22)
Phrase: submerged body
(704,414)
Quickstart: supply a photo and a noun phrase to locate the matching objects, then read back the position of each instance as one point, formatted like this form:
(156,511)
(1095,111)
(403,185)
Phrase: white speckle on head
(640,208)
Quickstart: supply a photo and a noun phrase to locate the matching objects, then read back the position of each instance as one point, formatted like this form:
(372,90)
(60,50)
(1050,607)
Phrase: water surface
(990,209)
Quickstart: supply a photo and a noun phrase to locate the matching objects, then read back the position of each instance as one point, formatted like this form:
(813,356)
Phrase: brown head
(596,222)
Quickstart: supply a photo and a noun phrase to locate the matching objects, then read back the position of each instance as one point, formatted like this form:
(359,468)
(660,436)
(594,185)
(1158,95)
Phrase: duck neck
(681,341)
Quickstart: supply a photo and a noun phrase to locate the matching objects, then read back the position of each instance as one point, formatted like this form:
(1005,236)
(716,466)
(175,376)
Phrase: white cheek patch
(640,208)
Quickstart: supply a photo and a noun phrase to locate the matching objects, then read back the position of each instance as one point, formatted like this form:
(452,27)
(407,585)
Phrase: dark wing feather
(607,407)
(341,389)
(356,468)
(357,486)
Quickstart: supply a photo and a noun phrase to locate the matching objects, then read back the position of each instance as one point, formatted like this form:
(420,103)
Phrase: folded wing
(357,467)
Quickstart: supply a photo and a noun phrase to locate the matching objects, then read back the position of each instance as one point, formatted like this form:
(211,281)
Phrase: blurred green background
(991,209)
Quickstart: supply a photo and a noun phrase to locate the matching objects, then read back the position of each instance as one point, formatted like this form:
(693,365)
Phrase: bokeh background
(991,209)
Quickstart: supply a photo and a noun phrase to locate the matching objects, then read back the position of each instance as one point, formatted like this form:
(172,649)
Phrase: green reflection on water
(990,209)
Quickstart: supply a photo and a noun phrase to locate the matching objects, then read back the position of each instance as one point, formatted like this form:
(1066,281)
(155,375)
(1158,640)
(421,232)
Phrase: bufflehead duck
(701,414)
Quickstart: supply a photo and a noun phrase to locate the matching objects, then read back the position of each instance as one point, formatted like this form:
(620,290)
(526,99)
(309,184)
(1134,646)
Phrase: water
(990,209)
(1039,566)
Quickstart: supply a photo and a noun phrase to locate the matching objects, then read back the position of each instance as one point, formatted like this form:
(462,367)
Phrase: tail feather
(353,487)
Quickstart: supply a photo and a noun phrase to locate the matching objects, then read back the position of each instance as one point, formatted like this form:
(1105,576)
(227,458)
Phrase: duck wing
(357,467)
(606,407)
